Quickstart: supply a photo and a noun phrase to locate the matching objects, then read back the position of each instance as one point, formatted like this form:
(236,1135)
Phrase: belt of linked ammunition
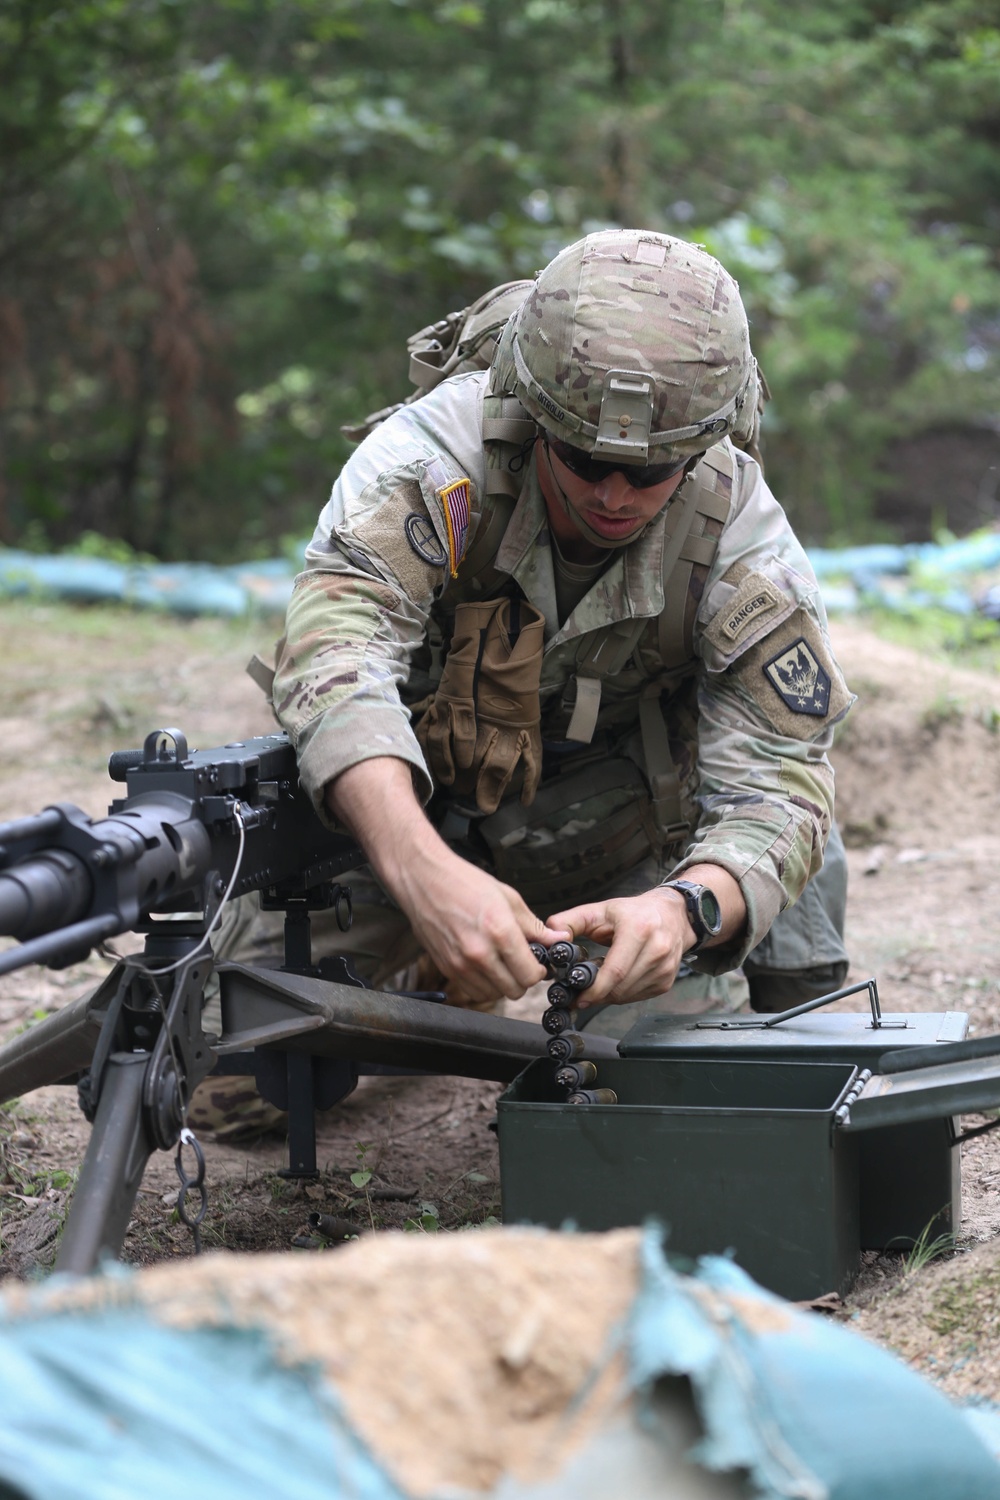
(571,972)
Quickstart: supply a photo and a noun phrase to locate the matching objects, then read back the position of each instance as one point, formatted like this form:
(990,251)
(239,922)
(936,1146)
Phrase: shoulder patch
(757,604)
(456,502)
(793,677)
(424,539)
(388,535)
(798,678)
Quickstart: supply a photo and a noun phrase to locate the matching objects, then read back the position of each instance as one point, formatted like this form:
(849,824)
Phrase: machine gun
(196,829)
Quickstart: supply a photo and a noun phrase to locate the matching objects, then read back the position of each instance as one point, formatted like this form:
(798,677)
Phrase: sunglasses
(586,466)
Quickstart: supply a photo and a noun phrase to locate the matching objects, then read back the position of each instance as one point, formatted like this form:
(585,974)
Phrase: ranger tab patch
(799,680)
(457,510)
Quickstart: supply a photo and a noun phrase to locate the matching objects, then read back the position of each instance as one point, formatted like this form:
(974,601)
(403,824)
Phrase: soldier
(560,664)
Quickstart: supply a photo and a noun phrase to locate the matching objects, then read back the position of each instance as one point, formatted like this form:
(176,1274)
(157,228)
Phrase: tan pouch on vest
(483,724)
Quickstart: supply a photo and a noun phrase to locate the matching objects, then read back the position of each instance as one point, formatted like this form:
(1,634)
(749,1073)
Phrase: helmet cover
(629,344)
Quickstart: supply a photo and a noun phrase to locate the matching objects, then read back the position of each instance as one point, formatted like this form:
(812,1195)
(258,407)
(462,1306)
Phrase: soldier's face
(611,506)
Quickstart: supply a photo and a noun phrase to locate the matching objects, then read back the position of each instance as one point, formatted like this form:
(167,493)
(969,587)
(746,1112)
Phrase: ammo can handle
(755,1023)
(852,989)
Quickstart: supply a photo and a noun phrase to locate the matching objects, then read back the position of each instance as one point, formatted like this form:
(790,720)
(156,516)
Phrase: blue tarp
(178,588)
(946,575)
(105,1403)
(808,1408)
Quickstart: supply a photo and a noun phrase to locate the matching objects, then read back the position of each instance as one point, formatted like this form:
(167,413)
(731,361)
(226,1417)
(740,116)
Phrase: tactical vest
(608,659)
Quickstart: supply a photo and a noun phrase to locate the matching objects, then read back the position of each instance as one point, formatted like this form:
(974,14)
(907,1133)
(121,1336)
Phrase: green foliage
(426,1221)
(927,1248)
(363,1176)
(219,222)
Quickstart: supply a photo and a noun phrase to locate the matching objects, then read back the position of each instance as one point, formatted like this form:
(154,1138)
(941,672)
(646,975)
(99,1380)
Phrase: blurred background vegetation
(219,221)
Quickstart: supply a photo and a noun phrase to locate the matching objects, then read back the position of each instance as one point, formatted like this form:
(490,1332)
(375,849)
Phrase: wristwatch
(703,910)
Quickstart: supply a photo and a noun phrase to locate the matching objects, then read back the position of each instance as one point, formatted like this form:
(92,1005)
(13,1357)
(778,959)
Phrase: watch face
(711,911)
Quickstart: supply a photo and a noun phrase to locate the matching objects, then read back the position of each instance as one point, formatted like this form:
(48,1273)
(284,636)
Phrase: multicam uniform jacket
(749,721)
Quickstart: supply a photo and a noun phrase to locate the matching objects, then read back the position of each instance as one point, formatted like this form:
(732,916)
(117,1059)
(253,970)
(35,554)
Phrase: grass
(23,1186)
(964,1309)
(943,710)
(968,640)
(925,1249)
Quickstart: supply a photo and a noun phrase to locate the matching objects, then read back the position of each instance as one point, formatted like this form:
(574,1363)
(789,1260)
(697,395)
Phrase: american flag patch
(455,500)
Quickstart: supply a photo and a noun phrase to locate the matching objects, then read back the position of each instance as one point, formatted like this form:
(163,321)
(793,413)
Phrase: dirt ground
(918,767)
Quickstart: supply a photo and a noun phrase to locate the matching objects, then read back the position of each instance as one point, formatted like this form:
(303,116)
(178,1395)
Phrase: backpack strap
(661,769)
(494,519)
(692,542)
(693,531)
(507,428)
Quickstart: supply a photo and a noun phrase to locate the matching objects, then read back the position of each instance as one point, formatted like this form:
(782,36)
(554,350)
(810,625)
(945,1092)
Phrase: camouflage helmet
(633,346)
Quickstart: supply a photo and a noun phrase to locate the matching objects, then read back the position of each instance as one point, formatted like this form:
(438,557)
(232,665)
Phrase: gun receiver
(196,828)
(193,822)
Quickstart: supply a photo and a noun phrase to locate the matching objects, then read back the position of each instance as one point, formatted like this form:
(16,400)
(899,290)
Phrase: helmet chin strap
(588,531)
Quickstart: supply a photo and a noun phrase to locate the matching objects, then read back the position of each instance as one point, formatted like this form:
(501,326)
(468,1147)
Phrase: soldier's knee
(780,989)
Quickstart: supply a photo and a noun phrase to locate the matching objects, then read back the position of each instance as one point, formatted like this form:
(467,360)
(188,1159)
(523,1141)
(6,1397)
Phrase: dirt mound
(944,1320)
(458,1359)
(918,759)
(918,798)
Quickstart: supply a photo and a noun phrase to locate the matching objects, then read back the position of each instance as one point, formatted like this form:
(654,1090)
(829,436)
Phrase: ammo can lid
(926,1085)
(827,1036)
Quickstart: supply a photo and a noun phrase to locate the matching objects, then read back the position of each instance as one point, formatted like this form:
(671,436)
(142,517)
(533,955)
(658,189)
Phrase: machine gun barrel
(51,889)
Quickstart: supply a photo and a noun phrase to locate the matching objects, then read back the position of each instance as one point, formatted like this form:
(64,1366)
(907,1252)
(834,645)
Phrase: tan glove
(484,721)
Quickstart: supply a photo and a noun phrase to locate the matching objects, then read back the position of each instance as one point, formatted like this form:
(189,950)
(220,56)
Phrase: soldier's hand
(646,937)
(476,929)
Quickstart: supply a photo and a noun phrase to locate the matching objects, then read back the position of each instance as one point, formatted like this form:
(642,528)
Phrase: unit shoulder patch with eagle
(793,677)
(799,680)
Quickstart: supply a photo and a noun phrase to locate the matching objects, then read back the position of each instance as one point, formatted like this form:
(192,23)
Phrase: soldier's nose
(614,492)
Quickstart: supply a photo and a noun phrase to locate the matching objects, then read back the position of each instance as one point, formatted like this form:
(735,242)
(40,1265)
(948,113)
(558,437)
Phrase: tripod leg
(112,1169)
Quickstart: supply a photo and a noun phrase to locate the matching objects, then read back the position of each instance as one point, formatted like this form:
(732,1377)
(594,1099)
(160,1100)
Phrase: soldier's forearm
(476,930)
(377,802)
